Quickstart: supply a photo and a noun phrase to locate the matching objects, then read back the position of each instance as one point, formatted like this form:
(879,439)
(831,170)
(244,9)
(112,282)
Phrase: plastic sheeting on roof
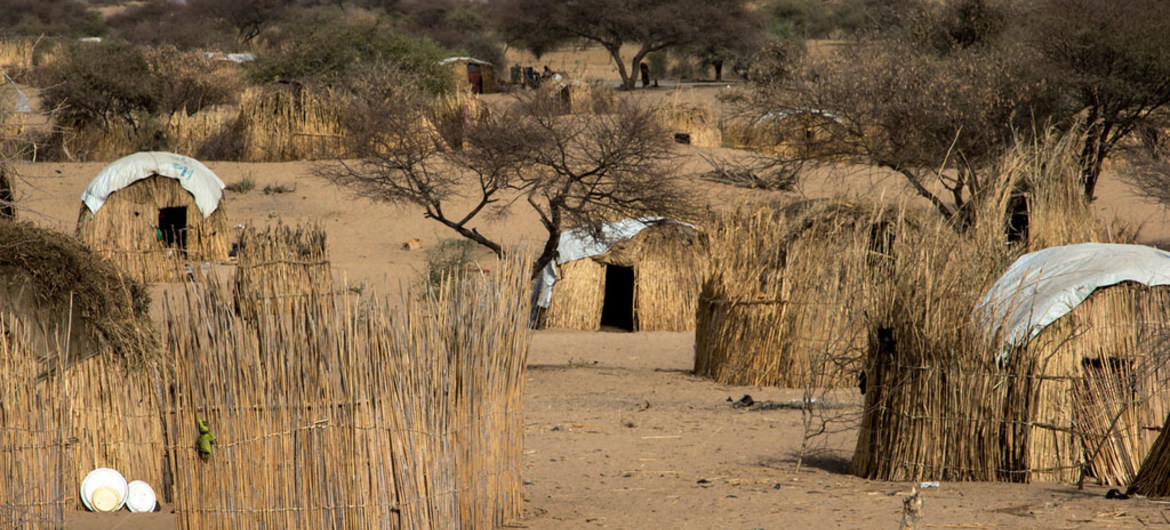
(470,60)
(1043,286)
(191,174)
(579,243)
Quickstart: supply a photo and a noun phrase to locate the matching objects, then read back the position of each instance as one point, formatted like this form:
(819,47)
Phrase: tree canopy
(539,25)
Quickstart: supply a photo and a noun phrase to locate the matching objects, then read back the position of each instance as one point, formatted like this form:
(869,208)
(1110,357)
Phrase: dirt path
(620,435)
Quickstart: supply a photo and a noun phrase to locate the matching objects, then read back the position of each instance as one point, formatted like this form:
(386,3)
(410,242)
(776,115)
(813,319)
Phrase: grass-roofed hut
(79,357)
(785,302)
(636,274)
(150,211)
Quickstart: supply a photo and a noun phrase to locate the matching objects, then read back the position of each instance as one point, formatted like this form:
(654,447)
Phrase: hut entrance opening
(475,77)
(1017,223)
(617,308)
(172,226)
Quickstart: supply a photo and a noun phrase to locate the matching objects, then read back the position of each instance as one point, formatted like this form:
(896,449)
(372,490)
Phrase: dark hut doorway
(617,309)
(1017,221)
(172,226)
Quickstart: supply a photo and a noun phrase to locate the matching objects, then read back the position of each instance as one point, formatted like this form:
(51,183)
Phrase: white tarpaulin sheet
(191,174)
(579,243)
(1043,286)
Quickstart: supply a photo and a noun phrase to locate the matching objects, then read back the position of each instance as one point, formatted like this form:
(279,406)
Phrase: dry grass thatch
(283,122)
(80,363)
(353,414)
(690,123)
(1153,479)
(578,97)
(793,133)
(125,230)
(785,302)
(938,404)
(280,268)
(450,116)
(669,261)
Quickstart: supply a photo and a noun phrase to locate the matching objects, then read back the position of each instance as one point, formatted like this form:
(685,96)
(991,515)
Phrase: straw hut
(794,132)
(636,274)
(472,76)
(80,363)
(279,268)
(1056,375)
(690,124)
(150,211)
(785,300)
(1082,324)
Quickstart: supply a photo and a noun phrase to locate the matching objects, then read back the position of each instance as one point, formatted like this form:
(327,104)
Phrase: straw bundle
(462,81)
(279,123)
(124,230)
(669,262)
(279,266)
(80,365)
(1153,480)
(363,415)
(785,302)
(693,123)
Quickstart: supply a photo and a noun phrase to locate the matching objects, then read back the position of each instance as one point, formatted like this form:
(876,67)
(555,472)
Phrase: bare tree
(569,169)
(654,25)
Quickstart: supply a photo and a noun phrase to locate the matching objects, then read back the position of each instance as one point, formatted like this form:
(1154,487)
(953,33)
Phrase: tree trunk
(1092,157)
(636,63)
(628,79)
(718,64)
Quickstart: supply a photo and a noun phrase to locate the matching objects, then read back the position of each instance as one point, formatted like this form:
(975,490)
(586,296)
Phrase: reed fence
(346,412)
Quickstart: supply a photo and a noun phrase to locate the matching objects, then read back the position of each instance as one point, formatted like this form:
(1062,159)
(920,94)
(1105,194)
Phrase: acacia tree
(939,122)
(569,169)
(539,25)
(249,17)
(1110,59)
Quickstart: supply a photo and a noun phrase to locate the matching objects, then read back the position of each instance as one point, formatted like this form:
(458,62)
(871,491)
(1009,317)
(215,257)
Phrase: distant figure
(718,64)
(645,68)
(515,71)
(530,79)
(547,74)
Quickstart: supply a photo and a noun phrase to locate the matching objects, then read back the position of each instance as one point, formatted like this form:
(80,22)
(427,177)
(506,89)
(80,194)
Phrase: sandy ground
(619,434)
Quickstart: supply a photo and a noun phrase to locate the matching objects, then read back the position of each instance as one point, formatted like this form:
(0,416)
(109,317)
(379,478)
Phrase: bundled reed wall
(669,262)
(281,123)
(939,406)
(797,133)
(124,230)
(79,362)
(353,413)
(281,267)
(785,303)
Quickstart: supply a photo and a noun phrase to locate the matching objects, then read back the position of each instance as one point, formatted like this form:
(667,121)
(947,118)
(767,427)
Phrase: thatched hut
(79,359)
(796,132)
(785,300)
(472,76)
(1082,325)
(279,268)
(1058,376)
(636,274)
(149,212)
